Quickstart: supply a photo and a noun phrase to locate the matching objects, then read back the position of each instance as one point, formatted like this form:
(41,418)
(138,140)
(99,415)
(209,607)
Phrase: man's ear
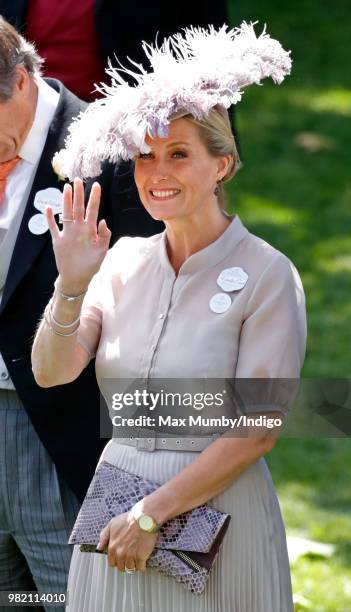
(22,82)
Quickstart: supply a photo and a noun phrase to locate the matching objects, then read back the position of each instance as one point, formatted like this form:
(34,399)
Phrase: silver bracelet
(54,331)
(70,298)
(62,325)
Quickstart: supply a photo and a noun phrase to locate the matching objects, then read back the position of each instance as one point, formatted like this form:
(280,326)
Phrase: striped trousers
(37,508)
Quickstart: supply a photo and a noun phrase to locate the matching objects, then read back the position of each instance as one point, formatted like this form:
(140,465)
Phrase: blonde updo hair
(217,136)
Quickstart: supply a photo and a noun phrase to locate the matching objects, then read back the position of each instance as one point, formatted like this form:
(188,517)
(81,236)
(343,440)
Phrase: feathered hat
(190,74)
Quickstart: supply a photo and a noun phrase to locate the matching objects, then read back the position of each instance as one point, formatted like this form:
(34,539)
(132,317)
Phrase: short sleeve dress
(143,321)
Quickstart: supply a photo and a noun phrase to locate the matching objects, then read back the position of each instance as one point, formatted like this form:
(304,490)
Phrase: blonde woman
(149,313)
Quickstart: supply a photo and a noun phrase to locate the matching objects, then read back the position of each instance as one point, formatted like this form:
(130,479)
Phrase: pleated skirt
(251,572)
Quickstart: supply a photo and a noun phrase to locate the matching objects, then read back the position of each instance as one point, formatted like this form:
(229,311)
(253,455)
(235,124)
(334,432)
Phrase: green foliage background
(294,190)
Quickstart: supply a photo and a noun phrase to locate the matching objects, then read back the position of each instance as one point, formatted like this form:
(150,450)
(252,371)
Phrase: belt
(196,444)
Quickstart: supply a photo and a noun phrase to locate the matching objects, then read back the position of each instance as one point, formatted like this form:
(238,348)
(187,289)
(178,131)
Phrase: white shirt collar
(47,102)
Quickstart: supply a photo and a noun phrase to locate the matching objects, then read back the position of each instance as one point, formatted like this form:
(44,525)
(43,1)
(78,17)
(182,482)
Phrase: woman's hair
(217,136)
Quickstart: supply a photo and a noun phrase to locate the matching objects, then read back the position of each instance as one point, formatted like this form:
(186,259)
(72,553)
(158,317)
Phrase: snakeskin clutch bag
(186,546)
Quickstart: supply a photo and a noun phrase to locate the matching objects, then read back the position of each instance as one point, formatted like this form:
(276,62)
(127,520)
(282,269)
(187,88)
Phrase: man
(90,32)
(49,438)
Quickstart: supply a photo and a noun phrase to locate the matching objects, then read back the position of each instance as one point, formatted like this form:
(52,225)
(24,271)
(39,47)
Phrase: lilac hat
(190,74)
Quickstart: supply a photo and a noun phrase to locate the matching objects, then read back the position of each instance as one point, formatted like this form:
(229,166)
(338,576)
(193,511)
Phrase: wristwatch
(145,521)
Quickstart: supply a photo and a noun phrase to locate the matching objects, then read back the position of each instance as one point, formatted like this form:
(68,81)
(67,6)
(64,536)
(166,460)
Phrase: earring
(218,188)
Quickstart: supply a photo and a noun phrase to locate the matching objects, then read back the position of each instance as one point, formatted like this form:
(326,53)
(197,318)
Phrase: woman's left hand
(128,546)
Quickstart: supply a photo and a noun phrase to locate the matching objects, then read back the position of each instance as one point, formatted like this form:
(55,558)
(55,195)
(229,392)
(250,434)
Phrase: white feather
(192,72)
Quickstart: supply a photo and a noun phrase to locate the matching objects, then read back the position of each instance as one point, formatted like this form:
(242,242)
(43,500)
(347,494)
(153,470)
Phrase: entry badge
(220,302)
(232,279)
(51,196)
(38,224)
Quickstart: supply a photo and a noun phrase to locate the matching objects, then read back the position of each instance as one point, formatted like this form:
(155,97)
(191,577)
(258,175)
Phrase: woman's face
(177,178)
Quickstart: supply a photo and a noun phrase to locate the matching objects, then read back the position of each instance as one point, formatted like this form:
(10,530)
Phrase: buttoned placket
(172,284)
(161,319)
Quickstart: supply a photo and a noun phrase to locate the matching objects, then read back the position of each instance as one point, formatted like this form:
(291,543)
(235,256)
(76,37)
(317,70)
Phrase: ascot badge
(51,196)
(232,279)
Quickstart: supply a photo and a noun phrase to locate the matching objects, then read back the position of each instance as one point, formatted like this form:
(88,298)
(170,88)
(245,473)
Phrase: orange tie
(5,169)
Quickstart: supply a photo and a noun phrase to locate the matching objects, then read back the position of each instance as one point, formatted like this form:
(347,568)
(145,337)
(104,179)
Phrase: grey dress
(144,322)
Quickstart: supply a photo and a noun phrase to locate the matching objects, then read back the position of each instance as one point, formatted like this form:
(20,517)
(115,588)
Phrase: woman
(152,311)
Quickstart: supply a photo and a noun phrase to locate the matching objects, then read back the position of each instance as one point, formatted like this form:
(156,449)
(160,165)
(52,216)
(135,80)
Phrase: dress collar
(210,255)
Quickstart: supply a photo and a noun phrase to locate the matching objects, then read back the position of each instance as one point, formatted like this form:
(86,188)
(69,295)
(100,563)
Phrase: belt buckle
(146,444)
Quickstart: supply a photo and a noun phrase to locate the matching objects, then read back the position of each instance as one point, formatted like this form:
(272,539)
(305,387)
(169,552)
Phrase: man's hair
(14,51)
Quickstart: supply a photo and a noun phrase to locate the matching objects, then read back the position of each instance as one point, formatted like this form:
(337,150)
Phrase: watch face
(146,522)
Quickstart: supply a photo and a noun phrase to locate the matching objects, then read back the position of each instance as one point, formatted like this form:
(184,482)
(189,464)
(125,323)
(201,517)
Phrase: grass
(313,484)
(294,190)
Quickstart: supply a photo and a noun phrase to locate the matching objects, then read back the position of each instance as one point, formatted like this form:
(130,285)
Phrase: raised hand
(82,244)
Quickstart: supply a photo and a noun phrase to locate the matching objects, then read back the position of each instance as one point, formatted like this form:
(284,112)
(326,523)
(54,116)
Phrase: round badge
(232,279)
(48,197)
(38,224)
(220,302)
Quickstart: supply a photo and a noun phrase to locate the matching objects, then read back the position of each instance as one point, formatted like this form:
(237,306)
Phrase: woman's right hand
(82,244)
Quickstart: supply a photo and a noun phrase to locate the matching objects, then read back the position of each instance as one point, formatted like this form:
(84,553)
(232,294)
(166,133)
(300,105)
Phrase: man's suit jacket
(121,26)
(65,417)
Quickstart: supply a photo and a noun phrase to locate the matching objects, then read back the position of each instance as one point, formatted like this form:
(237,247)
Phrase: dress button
(4,375)
(161,315)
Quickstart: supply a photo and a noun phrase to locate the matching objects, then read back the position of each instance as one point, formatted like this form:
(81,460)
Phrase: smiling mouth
(164,194)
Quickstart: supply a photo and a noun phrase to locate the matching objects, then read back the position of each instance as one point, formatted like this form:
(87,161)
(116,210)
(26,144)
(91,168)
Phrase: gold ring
(62,219)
